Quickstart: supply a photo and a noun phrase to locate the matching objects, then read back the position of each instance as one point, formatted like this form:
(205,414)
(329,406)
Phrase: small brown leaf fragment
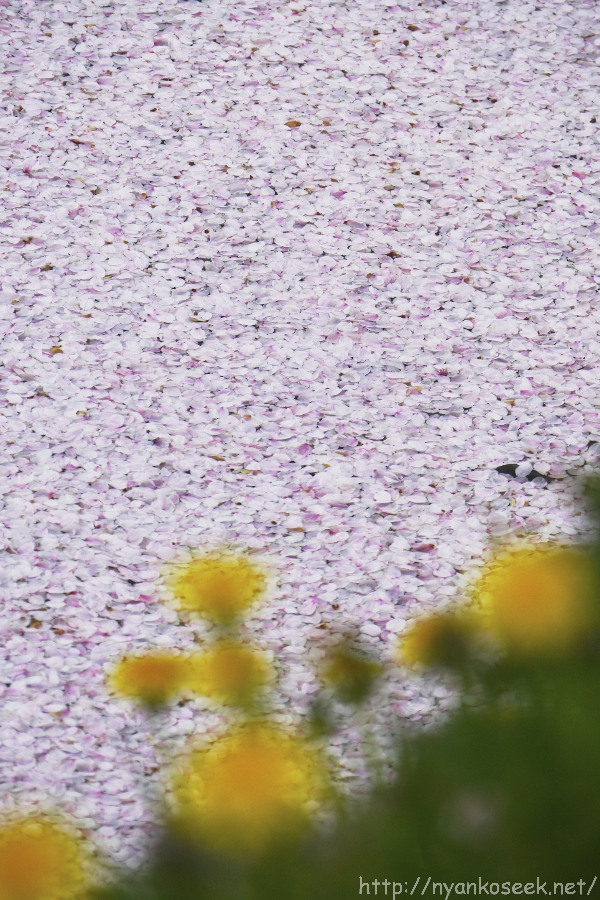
(293,123)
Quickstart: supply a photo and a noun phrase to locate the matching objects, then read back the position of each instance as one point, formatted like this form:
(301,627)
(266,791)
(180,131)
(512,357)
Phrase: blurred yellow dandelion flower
(40,860)
(229,672)
(153,679)
(538,598)
(250,788)
(441,639)
(220,586)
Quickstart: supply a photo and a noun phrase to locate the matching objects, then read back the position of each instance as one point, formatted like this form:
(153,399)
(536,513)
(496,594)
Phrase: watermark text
(386,888)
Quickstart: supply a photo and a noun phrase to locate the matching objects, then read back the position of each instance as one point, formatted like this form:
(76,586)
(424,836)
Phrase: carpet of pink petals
(296,275)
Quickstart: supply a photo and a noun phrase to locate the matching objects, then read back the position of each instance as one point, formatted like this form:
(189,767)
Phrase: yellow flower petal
(230,673)
(219,585)
(153,678)
(538,598)
(40,860)
(249,788)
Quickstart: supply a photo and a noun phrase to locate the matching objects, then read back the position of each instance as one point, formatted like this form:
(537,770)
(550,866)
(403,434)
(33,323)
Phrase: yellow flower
(230,673)
(538,598)
(219,585)
(40,860)
(154,678)
(250,788)
(442,639)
